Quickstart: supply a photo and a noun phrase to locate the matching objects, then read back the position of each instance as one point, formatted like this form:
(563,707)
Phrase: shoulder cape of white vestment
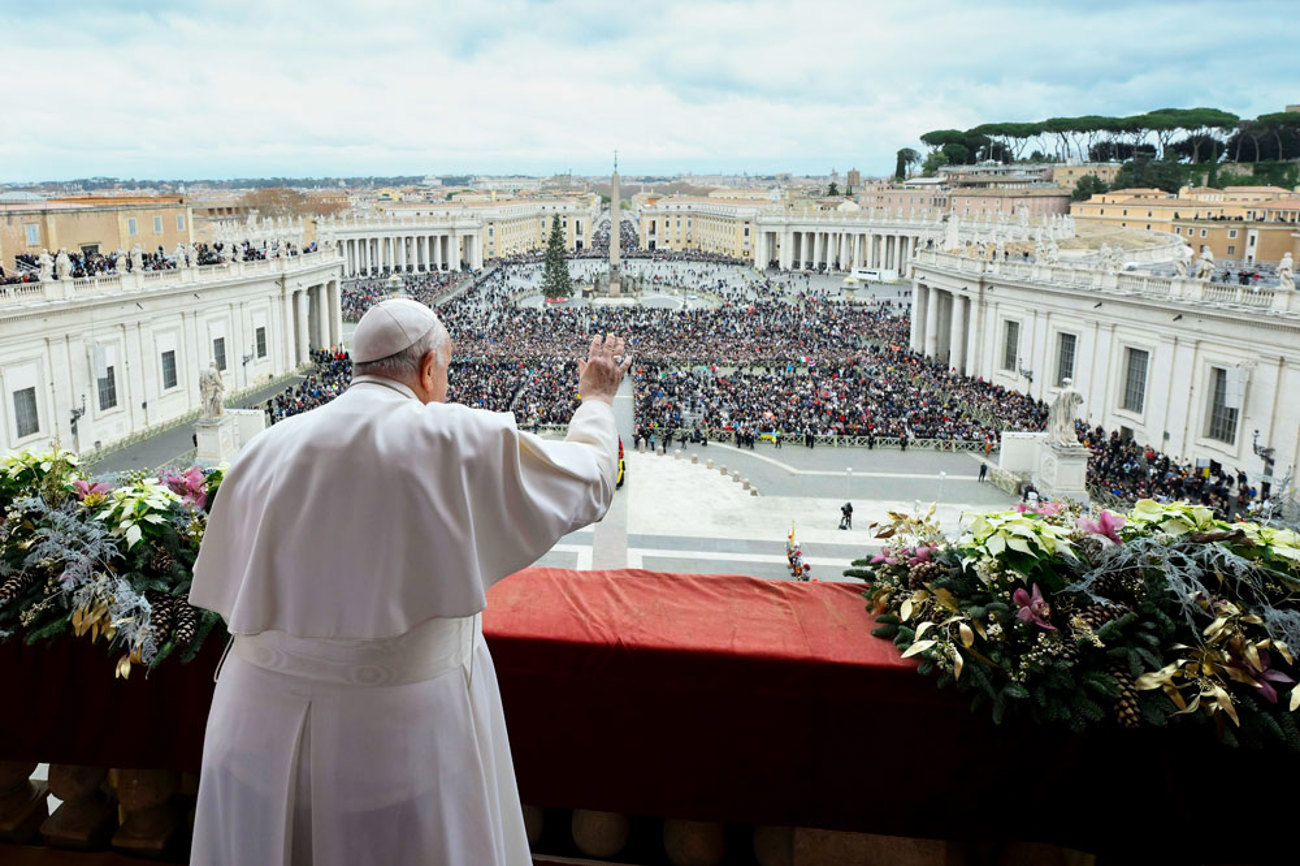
(375,512)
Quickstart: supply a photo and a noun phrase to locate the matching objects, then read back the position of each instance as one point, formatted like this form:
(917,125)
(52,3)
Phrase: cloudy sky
(134,88)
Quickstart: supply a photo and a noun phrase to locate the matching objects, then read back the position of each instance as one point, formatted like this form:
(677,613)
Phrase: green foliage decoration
(1160,616)
(108,557)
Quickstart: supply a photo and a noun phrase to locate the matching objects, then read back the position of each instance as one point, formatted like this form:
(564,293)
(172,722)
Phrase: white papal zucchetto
(390,327)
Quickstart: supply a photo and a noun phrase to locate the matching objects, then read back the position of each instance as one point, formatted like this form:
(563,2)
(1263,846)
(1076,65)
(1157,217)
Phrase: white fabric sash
(426,651)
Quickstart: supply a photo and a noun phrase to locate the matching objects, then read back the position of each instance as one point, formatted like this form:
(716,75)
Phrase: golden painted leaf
(1285,651)
(1295,699)
(905,611)
(1224,701)
(1214,627)
(1156,679)
(922,629)
(957,663)
(918,647)
(967,636)
(946,599)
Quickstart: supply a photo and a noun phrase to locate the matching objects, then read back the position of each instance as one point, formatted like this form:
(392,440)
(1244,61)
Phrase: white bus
(875,275)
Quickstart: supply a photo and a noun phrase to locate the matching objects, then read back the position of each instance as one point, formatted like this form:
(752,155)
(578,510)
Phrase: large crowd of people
(330,377)
(778,358)
(82,264)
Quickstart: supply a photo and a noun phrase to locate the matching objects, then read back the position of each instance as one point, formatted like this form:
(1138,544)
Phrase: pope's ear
(428,363)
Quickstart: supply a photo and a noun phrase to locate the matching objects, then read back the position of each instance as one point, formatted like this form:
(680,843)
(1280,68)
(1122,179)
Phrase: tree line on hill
(1164,149)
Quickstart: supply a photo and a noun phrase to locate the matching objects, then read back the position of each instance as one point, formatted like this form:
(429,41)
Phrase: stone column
(932,324)
(304,327)
(421,253)
(88,815)
(957,337)
(23,804)
(323,315)
(336,313)
(920,296)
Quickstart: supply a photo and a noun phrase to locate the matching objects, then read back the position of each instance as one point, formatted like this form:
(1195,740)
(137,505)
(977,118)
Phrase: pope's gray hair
(405,365)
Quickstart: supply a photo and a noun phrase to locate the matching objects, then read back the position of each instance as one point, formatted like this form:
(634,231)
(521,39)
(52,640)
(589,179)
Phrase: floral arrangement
(1159,616)
(107,558)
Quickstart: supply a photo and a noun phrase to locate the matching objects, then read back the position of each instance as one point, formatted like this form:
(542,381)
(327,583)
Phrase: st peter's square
(555,433)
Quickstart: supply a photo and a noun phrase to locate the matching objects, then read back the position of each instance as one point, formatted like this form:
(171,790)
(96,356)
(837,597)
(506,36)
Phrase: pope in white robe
(356,719)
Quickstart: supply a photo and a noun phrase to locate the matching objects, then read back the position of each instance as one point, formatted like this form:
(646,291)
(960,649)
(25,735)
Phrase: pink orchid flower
(87,488)
(1047,509)
(1033,608)
(924,553)
(1107,525)
(191,485)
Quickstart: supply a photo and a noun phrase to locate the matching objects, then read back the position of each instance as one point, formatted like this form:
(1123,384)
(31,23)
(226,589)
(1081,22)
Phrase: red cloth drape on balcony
(714,697)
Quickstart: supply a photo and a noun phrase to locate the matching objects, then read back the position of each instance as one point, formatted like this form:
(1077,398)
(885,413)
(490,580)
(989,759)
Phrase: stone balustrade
(145,281)
(1184,290)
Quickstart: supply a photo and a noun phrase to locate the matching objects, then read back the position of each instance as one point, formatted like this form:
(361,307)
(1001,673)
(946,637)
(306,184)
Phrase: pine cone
(185,622)
(1094,616)
(163,614)
(161,563)
(1120,585)
(1090,548)
(1126,705)
(922,572)
(16,585)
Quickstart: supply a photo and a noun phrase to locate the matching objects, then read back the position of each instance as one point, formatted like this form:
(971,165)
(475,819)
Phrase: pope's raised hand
(600,374)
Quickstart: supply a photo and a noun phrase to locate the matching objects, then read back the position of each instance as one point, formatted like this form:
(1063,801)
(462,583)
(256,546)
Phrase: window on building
(1232,250)
(1065,359)
(33,232)
(132,227)
(219,352)
(107,389)
(169,379)
(1135,379)
(1203,232)
(1223,417)
(1011,346)
(180,222)
(261,341)
(157,225)
(1232,233)
(25,417)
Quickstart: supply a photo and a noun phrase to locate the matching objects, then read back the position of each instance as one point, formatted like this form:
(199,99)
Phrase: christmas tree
(555,278)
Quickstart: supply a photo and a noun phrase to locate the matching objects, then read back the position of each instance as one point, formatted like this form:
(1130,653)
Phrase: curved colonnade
(1188,366)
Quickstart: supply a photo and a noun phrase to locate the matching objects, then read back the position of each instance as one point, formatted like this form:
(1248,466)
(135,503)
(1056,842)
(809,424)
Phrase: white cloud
(296,88)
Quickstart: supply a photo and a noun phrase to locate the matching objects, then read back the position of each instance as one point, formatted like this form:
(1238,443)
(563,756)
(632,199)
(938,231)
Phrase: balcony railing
(1184,290)
(697,717)
(134,281)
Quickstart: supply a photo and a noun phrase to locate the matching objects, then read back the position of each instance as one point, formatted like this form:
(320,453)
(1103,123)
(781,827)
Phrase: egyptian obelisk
(615,232)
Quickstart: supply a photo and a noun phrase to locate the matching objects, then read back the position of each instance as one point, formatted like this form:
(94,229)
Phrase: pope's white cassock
(357,719)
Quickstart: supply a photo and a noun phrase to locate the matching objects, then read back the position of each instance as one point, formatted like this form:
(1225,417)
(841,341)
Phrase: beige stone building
(1263,233)
(722,226)
(1151,209)
(1039,202)
(94,224)
(1068,176)
(919,194)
